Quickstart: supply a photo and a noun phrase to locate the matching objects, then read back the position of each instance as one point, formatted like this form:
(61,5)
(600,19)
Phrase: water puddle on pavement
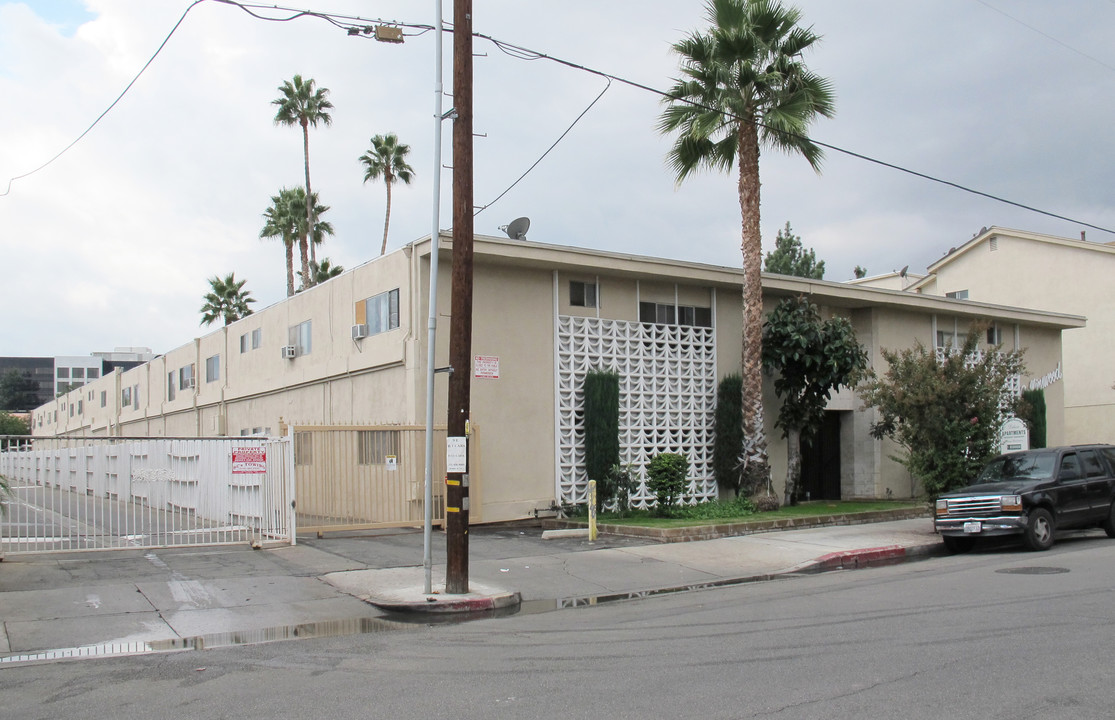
(302,631)
(391,622)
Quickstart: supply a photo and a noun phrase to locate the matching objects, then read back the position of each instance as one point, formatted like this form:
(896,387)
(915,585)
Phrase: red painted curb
(852,559)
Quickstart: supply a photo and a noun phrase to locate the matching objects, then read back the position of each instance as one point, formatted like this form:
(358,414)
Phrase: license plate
(972,527)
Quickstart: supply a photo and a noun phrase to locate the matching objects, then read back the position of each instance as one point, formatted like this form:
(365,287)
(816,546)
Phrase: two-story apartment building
(353,351)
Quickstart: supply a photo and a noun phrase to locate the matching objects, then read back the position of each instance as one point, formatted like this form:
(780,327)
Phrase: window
(375,445)
(80,407)
(994,335)
(382,312)
(957,295)
(71,410)
(1070,467)
(251,341)
(63,373)
(104,398)
(244,343)
(126,397)
(1092,465)
(135,397)
(186,377)
(170,385)
(664,314)
(300,336)
(78,374)
(582,294)
(257,338)
(92,373)
(213,368)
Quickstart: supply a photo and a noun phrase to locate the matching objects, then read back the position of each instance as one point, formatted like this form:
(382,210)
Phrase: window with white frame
(104,398)
(244,343)
(186,377)
(125,397)
(668,314)
(257,338)
(135,397)
(582,294)
(171,384)
(212,368)
(300,336)
(382,312)
(957,294)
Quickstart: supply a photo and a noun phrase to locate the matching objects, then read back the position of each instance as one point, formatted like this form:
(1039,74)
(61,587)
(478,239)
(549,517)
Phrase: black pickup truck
(1033,493)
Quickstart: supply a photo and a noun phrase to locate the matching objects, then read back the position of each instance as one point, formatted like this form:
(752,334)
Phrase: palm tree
(386,158)
(321,228)
(324,271)
(281,221)
(744,85)
(226,299)
(303,105)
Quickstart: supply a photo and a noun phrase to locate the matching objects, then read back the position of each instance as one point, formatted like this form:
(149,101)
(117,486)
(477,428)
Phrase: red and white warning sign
(487,366)
(249,460)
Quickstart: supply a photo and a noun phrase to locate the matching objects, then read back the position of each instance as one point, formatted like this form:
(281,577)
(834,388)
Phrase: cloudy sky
(111,244)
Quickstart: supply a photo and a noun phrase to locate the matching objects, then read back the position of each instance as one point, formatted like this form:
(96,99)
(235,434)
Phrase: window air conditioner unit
(289,352)
(359,332)
(189,383)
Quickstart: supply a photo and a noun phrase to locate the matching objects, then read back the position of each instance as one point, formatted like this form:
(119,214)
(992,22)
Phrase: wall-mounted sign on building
(487,366)
(1014,436)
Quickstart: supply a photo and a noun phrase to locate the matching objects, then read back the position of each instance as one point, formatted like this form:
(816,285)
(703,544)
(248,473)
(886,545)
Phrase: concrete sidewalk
(170,599)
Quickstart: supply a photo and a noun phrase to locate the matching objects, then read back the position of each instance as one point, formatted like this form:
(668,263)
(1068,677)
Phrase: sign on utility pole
(460,325)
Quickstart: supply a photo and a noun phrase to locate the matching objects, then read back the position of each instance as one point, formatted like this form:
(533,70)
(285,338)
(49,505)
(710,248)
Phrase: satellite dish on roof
(903,271)
(517,230)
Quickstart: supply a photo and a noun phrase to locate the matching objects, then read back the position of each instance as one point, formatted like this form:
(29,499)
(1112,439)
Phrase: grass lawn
(801,510)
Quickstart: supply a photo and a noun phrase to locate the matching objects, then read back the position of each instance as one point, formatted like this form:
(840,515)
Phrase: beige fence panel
(70,494)
(364,477)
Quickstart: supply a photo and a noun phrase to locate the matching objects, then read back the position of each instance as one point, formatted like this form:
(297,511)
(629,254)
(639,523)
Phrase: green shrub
(666,478)
(601,424)
(616,487)
(1034,402)
(727,444)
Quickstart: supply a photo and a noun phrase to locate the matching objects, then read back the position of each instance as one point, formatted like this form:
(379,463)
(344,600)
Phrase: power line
(106,111)
(1046,35)
(347,22)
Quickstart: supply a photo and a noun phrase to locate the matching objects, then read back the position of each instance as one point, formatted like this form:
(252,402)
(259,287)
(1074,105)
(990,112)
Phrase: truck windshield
(1030,465)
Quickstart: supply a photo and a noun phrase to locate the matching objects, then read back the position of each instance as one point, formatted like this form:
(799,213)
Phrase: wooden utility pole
(460,326)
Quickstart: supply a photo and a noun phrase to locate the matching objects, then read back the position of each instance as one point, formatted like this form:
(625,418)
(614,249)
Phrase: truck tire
(1109,523)
(1039,530)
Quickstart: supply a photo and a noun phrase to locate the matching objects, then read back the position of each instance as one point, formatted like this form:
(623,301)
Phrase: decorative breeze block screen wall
(667,398)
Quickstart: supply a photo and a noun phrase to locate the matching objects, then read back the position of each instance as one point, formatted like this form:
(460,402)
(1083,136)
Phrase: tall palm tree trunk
(309,213)
(289,243)
(386,218)
(756,468)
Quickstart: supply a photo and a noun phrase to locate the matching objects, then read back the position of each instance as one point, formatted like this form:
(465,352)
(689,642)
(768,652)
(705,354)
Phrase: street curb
(695,533)
(867,557)
(442,603)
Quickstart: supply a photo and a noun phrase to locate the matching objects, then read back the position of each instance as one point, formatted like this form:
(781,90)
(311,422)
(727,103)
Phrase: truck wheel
(1109,523)
(1039,531)
(955,544)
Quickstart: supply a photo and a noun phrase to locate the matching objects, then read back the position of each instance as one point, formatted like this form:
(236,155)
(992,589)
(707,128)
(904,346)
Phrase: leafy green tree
(790,258)
(281,220)
(744,85)
(945,413)
(666,478)
(325,271)
(812,357)
(727,446)
(227,299)
(386,159)
(301,103)
(18,391)
(13,425)
(860,272)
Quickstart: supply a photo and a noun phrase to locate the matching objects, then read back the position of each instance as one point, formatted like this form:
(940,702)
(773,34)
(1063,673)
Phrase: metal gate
(68,494)
(355,477)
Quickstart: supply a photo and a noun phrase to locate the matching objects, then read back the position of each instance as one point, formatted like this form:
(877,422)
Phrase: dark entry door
(820,461)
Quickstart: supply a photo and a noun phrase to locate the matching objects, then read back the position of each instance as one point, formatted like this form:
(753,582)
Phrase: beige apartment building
(1066,275)
(352,351)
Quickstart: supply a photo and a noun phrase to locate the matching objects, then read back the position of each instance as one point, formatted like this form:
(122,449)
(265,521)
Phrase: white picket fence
(68,494)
